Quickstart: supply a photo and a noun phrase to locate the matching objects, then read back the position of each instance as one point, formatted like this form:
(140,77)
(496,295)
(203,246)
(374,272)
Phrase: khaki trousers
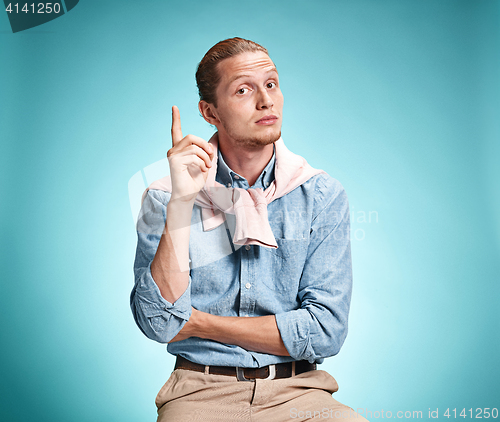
(195,396)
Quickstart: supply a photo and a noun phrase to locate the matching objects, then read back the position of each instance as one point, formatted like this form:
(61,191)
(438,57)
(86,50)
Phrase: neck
(246,161)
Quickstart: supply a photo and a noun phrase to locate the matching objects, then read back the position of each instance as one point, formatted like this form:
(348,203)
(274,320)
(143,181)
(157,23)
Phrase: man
(243,261)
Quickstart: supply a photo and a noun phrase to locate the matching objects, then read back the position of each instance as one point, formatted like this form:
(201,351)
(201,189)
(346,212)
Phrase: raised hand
(190,158)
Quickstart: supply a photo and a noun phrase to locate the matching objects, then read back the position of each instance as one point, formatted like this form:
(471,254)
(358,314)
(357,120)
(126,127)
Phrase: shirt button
(229,185)
(247,247)
(236,176)
(248,285)
(267,183)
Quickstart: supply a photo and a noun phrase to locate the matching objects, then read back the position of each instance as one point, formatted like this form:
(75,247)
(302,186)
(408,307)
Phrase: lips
(267,120)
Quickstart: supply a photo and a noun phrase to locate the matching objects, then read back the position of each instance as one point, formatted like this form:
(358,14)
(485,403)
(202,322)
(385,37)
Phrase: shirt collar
(229,178)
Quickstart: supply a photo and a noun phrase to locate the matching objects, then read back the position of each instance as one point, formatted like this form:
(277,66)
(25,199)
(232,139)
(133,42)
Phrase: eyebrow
(235,78)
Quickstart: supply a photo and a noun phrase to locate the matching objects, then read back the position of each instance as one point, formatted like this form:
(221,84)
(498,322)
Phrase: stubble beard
(253,142)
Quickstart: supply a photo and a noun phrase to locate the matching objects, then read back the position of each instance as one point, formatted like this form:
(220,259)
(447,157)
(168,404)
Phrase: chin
(259,140)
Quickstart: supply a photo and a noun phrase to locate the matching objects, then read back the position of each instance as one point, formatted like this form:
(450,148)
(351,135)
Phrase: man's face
(249,100)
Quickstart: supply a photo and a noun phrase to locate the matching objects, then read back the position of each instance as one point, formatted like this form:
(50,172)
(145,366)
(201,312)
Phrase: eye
(271,85)
(242,91)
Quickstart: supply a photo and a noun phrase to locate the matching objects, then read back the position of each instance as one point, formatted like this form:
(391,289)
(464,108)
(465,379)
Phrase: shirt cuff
(295,333)
(154,304)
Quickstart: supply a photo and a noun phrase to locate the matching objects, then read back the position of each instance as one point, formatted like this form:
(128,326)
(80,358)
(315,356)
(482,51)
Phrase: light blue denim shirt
(306,282)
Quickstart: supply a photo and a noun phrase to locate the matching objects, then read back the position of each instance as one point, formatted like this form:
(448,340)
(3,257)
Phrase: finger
(202,154)
(198,163)
(176,126)
(195,140)
(194,151)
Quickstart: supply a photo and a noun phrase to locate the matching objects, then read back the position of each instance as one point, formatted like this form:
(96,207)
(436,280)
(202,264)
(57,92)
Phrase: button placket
(247,300)
(243,310)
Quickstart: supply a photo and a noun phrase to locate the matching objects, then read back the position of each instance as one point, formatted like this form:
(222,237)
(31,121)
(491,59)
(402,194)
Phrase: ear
(209,112)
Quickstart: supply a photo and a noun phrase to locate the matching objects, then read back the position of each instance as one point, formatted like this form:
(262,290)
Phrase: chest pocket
(286,264)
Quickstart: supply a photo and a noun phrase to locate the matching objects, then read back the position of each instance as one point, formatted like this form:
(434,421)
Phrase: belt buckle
(240,373)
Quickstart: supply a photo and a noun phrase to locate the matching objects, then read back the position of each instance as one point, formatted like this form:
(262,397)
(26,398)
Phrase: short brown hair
(207,76)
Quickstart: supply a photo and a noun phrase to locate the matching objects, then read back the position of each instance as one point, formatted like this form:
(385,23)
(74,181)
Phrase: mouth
(267,120)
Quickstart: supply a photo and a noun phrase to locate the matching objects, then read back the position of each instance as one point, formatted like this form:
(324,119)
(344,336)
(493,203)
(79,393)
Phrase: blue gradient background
(399,100)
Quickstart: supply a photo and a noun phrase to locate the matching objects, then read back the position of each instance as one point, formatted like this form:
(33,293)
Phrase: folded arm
(318,328)
(259,334)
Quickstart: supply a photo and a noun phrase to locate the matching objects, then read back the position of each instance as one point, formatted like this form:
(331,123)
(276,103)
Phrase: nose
(265,101)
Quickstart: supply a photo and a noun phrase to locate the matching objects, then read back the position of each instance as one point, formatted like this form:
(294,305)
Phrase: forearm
(258,334)
(170,266)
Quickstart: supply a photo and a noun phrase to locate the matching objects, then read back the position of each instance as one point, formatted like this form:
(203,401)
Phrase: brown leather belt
(280,370)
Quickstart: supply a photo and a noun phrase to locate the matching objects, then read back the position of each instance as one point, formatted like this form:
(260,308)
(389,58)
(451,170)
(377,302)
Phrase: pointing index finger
(176,125)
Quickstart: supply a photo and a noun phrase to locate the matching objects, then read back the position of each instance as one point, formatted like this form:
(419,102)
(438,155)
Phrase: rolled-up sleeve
(157,318)
(319,327)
